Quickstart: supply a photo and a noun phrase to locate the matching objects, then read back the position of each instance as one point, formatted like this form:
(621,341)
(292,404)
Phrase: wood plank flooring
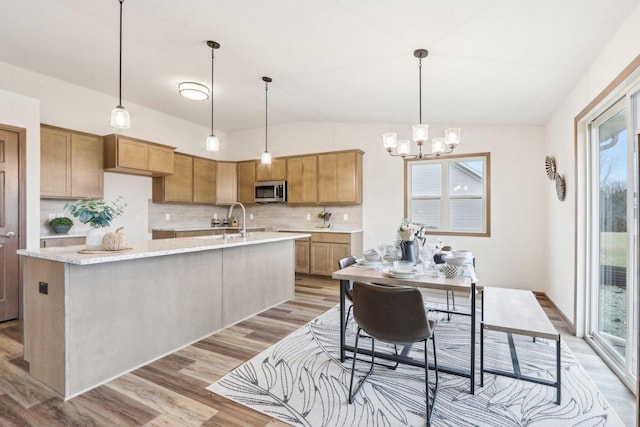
(171,391)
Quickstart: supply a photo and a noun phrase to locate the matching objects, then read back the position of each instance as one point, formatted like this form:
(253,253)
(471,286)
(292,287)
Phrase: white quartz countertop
(321,230)
(62,235)
(199,228)
(154,248)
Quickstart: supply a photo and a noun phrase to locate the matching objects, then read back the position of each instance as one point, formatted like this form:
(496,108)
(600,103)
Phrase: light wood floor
(171,391)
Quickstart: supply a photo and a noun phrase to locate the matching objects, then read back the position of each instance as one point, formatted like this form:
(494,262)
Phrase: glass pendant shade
(120,118)
(420,133)
(390,140)
(452,136)
(266,158)
(438,145)
(213,143)
(404,147)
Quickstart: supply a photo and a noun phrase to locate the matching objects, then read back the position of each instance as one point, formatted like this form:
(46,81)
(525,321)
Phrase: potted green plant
(326,216)
(98,214)
(61,225)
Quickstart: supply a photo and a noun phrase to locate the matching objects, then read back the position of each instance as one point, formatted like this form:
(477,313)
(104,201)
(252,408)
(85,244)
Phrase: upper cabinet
(226,185)
(204,181)
(302,179)
(246,179)
(71,164)
(340,177)
(276,171)
(133,156)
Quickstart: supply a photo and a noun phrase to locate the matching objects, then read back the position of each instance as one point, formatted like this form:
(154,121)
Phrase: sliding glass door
(613,243)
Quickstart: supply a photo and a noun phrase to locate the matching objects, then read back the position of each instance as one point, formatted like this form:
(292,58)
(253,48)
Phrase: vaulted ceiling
(490,61)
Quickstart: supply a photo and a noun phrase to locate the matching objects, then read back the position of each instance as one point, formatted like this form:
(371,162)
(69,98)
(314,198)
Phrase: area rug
(301,381)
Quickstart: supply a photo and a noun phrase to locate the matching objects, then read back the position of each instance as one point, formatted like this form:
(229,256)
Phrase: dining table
(378,274)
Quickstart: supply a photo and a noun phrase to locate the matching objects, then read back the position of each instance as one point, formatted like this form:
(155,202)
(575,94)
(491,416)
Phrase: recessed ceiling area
(490,61)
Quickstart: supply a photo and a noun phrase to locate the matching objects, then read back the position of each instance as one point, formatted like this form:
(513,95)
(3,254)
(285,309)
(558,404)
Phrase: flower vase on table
(98,214)
(94,238)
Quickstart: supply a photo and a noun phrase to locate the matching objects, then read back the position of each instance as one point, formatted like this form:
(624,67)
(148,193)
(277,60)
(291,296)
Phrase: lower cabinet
(57,242)
(320,253)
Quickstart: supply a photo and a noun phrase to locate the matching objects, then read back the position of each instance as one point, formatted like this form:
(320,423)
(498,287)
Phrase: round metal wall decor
(560,187)
(550,166)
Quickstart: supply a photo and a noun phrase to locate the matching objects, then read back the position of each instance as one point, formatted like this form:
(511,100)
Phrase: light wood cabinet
(71,164)
(302,179)
(340,177)
(226,183)
(302,256)
(320,253)
(176,188)
(133,156)
(65,241)
(276,171)
(246,180)
(204,181)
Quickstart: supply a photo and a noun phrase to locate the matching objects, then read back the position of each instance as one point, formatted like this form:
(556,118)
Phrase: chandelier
(439,145)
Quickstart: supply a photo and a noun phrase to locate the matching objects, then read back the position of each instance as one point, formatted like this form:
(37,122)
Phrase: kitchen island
(92,317)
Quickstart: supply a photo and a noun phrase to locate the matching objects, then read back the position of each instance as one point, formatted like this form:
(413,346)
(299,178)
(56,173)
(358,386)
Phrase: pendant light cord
(120,64)
(420,87)
(266,109)
(212,55)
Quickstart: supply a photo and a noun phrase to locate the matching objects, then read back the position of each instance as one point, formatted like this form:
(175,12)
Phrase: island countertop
(155,248)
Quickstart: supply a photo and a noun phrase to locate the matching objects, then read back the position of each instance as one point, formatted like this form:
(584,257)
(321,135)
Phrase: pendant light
(266,156)
(439,146)
(119,116)
(213,143)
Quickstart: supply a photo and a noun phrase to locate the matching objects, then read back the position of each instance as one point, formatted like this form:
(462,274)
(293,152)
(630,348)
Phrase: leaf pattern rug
(301,381)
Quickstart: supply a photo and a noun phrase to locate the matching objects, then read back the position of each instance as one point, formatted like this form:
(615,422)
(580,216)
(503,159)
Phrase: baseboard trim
(570,324)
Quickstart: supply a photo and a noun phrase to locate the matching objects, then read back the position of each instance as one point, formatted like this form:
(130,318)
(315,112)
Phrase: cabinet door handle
(8,235)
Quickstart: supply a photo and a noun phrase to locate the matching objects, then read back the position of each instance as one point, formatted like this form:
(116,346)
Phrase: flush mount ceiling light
(119,116)
(213,143)
(439,146)
(193,90)
(266,156)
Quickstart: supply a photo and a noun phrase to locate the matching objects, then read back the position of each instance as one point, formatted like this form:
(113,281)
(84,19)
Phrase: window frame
(445,161)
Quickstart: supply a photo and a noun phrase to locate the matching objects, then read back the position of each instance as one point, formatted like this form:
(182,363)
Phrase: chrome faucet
(244,217)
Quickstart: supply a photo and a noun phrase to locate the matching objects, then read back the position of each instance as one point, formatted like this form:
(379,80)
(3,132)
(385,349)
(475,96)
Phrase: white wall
(74,107)
(514,254)
(24,112)
(559,142)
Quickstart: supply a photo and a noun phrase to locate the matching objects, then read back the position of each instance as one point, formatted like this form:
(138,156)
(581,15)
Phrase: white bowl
(462,253)
(453,260)
(402,266)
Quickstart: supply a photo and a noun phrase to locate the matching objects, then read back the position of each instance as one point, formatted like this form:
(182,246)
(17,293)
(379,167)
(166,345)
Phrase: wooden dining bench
(518,312)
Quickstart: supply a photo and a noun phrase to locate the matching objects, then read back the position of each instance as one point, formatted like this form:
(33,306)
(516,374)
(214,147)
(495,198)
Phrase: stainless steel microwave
(270,192)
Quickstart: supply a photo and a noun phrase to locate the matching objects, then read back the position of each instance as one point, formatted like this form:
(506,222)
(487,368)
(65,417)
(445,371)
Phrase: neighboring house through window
(449,194)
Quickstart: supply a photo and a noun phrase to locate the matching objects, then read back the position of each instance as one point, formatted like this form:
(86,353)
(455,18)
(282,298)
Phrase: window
(449,195)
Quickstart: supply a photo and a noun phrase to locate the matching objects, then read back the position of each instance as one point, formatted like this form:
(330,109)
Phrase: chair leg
(435,389)
(346,322)
(426,382)
(448,313)
(353,394)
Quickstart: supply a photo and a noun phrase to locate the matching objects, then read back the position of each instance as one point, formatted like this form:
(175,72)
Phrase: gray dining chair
(344,263)
(394,315)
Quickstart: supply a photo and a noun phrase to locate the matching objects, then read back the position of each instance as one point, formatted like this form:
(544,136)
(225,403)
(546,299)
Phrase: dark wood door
(9,209)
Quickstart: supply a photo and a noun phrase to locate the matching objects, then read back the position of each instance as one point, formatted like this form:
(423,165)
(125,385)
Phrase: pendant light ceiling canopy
(266,156)
(213,143)
(439,146)
(194,90)
(119,116)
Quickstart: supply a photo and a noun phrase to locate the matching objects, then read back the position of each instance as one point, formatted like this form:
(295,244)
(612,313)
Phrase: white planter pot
(94,239)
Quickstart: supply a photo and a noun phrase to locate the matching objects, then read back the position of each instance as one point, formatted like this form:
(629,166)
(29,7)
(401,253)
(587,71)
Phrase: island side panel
(257,277)
(44,324)
(125,314)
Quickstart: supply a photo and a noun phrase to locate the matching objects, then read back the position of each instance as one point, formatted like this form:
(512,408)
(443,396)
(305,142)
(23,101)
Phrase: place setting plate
(400,274)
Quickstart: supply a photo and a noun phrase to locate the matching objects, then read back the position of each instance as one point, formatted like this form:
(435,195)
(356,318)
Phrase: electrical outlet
(308,217)
(345,217)
(251,216)
(43,288)
(167,217)
(51,216)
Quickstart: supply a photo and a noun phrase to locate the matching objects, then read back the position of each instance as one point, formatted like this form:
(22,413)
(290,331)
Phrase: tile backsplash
(271,215)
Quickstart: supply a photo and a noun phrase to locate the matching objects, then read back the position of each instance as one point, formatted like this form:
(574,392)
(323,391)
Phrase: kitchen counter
(62,236)
(89,318)
(199,228)
(321,230)
(155,248)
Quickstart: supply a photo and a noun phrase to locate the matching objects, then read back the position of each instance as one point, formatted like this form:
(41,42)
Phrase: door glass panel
(612,286)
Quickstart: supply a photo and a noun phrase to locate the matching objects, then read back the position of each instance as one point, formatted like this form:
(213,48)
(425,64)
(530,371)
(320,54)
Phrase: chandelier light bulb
(452,135)
(390,140)
(420,133)
(404,147)
(438,145)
